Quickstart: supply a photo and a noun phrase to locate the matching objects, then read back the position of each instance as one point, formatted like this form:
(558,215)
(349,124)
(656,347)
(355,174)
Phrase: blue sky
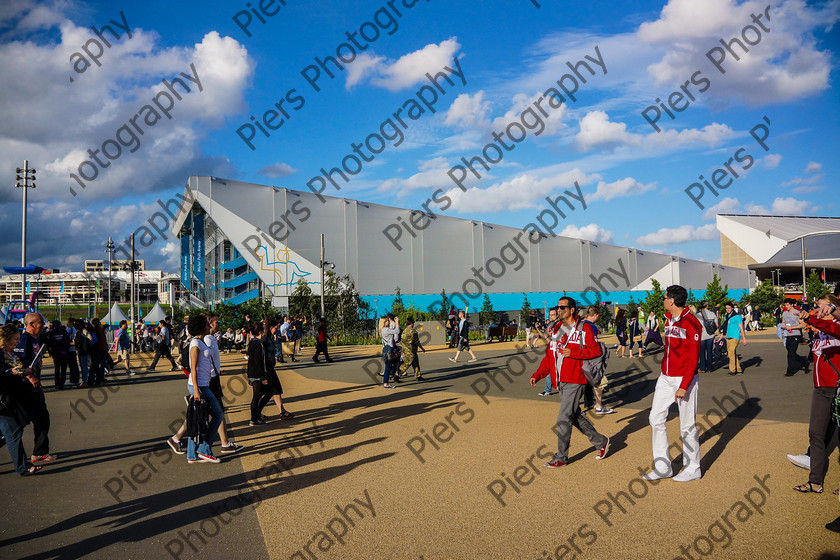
(633,178)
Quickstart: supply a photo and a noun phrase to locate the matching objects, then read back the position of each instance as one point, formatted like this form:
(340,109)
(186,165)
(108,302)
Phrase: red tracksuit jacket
(682,347)
(548,365)
(826,349)
(583,345)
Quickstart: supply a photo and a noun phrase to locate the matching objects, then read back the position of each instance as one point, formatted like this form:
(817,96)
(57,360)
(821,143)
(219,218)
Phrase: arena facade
(243,240)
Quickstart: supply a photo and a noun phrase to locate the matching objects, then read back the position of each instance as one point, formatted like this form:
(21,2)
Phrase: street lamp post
(323,264)
(28,179)
(109,248)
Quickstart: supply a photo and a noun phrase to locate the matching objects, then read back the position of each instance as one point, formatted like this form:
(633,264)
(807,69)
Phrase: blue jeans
(206,445)
(84,365)
(389,369)
(706,359)
(548,387)
(13,432)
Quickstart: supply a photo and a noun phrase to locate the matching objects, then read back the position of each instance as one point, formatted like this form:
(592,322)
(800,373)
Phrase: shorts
(216,389)
(463,344)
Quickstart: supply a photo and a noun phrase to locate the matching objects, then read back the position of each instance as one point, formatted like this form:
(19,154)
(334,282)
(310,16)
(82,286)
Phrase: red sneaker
(555,464)
(42,458)
(603,451)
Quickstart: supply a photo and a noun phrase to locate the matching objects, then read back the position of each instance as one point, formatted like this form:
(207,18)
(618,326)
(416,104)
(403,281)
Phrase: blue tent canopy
(31,269)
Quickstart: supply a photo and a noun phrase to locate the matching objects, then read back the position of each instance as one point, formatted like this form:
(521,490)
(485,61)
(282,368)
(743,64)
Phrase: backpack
(82,344)
(708,324)
(184,357)
(594,368)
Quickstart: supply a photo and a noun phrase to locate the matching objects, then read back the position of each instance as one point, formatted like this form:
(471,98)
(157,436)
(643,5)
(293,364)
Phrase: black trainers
(257,423)
(176,446)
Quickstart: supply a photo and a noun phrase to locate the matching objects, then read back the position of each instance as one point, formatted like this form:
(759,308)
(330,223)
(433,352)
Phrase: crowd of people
(573,353)
(573,366)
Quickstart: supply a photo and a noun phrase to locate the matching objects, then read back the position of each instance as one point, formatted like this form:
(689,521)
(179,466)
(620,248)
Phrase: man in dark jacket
(164,347)
(26,351)
(58,343)
(463,338)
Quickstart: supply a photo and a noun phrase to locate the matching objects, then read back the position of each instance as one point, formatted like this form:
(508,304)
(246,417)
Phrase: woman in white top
(201,369)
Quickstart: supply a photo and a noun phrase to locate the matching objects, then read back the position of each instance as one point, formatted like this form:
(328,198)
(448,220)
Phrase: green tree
(301,299)
(398,307)
(653,300)
(814,287)
(486,316)
(766,297)
(443,311)
(526,305)
(715,294)
(632,306)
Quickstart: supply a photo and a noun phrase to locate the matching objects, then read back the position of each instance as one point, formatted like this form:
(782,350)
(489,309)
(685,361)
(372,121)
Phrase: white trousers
(663,398)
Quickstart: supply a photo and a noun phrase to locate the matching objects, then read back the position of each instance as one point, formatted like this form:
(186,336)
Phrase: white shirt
(204,370)
(213,344)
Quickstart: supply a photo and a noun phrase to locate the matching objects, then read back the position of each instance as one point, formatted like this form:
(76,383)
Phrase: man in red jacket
(678,383)
(575,347)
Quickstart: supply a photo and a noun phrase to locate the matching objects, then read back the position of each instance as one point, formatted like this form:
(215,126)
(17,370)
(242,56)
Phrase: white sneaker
(453,360)
(604,410)
(688,476)
(470,361)
(803,461)
(654,475)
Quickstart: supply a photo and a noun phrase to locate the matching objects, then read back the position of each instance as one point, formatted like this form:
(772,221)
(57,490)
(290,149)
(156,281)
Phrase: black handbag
(198,418)
(15,400)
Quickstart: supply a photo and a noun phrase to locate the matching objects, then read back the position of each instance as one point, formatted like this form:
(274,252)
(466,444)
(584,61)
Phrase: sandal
(286,415)
(32,470)
(807,488)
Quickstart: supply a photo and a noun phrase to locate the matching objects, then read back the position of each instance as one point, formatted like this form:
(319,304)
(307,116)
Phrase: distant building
(772,247)
(80,288)
(116,264)
(242,240)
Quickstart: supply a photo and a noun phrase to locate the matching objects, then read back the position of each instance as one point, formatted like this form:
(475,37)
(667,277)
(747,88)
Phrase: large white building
(773,247)
(81,288)
(242,240)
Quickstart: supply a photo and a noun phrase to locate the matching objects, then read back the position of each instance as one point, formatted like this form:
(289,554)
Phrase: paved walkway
(448,468)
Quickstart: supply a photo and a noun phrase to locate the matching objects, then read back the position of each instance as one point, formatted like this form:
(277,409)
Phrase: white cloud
(54,123)
(727,205)
(432,175)
(803,180)
(682,234)
(771,161)
(592,232)
(596,130)
(808,189)
(553,124)
(364,66)
(523,191)
(710,135)
(623,187)
(468,111)
(756,209)
(409,69)
(784,66)
(789,206)
(277,170)
(813,167)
